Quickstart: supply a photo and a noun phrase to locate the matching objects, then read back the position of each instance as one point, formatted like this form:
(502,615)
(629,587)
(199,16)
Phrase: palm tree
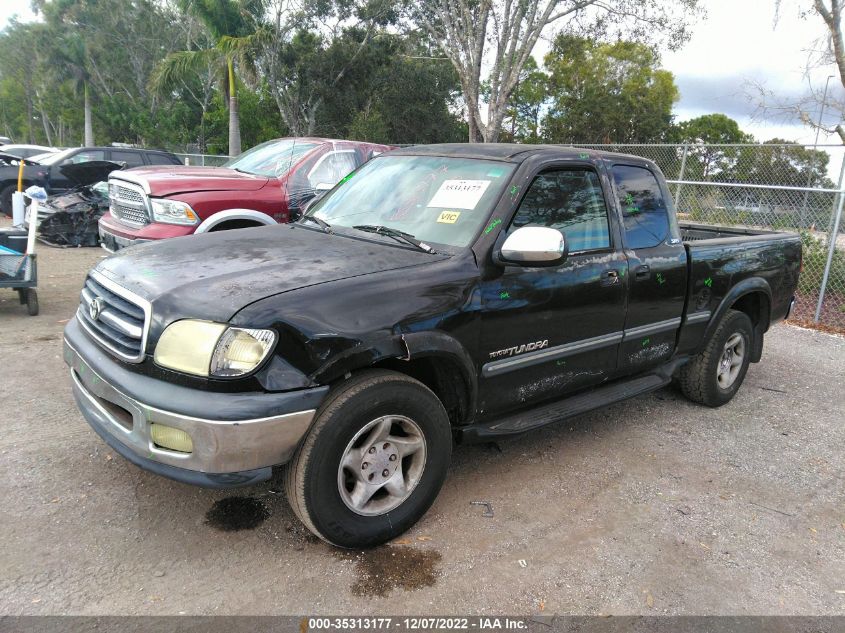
(71,59)
(229,23)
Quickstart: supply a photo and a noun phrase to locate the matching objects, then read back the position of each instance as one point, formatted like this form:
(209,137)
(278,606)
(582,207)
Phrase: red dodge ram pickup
(265,185)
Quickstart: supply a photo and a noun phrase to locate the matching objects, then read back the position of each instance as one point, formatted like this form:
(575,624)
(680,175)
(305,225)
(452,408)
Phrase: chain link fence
(202,160)
(781,187)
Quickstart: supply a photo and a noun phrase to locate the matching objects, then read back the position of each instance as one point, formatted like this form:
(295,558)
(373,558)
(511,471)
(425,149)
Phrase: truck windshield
(272,158)
(433,198)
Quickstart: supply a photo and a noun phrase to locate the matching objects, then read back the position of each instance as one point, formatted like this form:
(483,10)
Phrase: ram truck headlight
(173,212)
(203,348)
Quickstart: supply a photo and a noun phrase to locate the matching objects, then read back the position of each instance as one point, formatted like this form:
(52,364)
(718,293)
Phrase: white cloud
(19,8)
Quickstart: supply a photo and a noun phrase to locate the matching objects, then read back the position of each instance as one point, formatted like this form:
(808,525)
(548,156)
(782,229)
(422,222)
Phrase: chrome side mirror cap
(533,246)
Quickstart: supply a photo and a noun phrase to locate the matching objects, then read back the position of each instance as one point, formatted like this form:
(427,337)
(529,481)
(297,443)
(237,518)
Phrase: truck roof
(509,152)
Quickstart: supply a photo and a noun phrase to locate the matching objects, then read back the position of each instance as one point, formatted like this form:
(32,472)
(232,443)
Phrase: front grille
(128,204)
(121,324)
(129,214)
(129,195)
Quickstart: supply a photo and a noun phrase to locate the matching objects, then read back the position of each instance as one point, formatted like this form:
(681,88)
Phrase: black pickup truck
(439,294)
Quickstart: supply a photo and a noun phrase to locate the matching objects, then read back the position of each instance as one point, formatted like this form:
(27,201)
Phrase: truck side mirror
(533,246)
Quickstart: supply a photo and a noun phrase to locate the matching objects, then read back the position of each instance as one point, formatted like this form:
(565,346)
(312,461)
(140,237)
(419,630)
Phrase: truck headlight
(173,212)
(203,348)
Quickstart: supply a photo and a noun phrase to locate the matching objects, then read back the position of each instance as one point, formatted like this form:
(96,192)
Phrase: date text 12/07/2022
(422,623)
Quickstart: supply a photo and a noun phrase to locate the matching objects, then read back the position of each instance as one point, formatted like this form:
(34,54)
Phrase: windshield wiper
(399,236)
(327,228)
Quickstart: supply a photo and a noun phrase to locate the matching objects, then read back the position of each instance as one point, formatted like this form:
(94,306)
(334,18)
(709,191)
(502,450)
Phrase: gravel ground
(653,506)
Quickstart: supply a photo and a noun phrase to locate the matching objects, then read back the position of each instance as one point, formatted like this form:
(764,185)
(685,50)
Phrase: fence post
(681,175)
(834,233)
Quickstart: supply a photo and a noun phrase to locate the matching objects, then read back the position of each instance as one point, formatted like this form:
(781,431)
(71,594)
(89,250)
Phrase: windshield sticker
(449,217)
(492,226)
(459,194)
(496,172)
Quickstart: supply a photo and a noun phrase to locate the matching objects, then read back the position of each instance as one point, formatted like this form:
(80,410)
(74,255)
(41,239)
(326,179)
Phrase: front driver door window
(331,168)
(550,331)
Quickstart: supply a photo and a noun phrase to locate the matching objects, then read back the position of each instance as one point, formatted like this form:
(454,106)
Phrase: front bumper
(237,438)
(115,235)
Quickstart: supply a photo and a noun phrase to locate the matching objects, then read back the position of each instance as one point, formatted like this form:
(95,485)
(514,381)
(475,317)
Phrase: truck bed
(697,232)
(722,259)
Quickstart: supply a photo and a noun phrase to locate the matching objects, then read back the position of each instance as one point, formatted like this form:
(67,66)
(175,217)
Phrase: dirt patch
(386,568)
(237,513)
(832,317)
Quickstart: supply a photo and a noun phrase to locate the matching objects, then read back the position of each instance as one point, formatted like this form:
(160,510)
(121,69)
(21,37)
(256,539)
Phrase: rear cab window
(160,159)
(647,221)
(132,159)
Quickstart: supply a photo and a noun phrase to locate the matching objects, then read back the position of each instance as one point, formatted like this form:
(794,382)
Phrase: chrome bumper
(112,243)
(231,446)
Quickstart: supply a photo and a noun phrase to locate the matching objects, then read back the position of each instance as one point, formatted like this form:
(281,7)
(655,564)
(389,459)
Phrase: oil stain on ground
(237,513)
(386,568)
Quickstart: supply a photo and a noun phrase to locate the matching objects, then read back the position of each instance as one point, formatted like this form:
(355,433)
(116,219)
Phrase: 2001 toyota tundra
(448,292)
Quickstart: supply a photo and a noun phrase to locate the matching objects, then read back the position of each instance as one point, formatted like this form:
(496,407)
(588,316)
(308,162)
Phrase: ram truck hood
(166,181)
(214,275)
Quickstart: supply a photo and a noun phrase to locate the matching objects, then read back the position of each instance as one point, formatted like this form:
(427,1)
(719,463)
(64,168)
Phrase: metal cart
(18,267)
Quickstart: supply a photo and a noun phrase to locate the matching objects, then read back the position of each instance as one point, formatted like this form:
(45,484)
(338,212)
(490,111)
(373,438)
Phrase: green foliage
(156,74)
(607,92)
(814,260)
(523,116)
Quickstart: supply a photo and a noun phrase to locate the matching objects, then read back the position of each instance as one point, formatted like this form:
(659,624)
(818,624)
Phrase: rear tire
(714,376)
(373,462)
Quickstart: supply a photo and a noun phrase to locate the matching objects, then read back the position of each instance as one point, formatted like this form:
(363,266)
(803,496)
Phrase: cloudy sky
(738,43)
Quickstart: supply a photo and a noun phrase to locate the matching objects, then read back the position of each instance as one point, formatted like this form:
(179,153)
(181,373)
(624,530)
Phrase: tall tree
(502,33)
(522,120)
(607,93)
(71,59)
(230,24)
(709,139)
(293,41)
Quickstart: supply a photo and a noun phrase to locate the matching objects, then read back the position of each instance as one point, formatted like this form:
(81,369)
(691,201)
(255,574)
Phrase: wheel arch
(231,215)
(753,297)
(436,359)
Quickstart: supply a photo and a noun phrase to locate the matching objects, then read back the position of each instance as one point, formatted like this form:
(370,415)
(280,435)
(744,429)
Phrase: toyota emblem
(95,308)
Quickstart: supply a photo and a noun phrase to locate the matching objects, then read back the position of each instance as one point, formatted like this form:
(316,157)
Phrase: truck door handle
(609,277)
(642,272)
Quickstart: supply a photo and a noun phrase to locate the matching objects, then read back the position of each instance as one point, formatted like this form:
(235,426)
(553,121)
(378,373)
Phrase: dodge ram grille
(128,204)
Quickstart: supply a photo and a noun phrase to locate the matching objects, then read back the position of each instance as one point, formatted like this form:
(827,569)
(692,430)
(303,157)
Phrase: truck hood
(88,173)
(165,181)
(214,275)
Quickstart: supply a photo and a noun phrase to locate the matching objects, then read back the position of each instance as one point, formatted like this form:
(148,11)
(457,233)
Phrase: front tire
(373,462)
(714,376)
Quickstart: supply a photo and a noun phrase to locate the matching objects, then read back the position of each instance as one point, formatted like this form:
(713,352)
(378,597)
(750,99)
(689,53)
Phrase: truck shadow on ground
(404,564)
